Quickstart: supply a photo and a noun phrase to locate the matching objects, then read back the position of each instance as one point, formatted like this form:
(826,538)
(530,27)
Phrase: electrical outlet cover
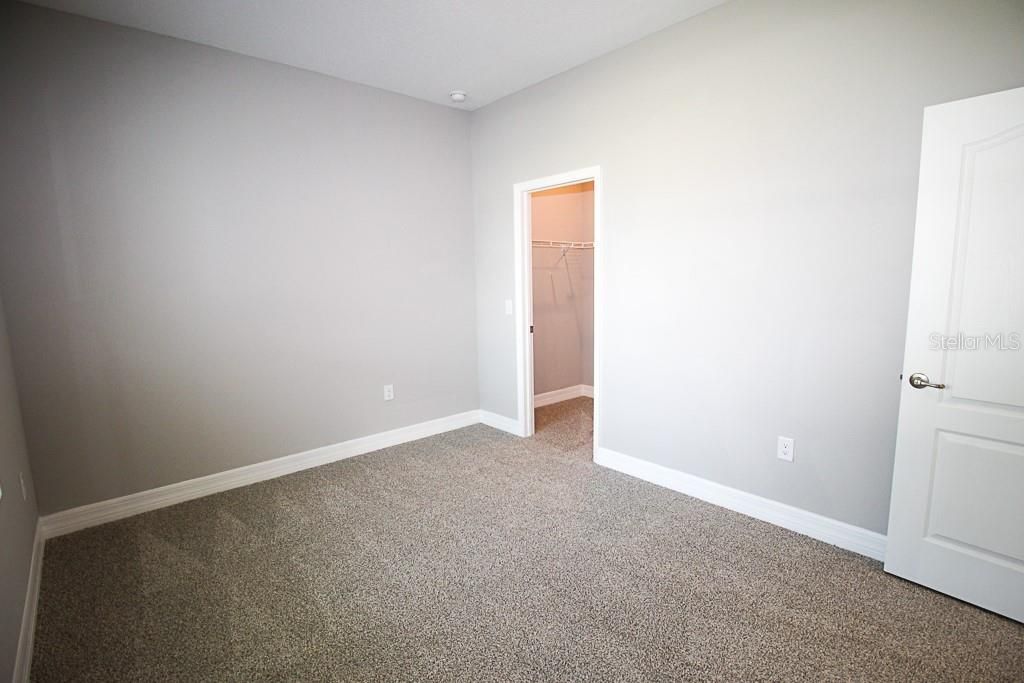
(786,448)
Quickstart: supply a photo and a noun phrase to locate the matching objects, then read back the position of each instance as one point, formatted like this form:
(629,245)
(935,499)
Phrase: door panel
(992,245)
(956,520)
(973,491)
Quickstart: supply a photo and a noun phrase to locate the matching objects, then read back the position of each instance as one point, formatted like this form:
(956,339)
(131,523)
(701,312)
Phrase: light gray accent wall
(17,514)
(760,165)
(211,260)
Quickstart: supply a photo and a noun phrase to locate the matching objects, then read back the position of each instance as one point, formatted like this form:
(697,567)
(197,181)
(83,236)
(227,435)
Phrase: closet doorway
(558,288)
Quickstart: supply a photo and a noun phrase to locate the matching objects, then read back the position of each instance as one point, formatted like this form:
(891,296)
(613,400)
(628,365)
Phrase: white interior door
(957,518)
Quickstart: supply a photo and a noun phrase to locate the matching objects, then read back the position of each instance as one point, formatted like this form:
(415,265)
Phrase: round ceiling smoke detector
(458,96)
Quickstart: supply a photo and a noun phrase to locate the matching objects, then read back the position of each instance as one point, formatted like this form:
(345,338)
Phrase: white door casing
(956,521)
(522,231)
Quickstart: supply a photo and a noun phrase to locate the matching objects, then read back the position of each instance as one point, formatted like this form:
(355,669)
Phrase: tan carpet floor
(477,556)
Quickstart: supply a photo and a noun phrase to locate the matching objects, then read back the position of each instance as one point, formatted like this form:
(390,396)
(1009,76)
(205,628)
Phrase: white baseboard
(559,395)
(23,658)
(75,519)
(505,424)
(847,536)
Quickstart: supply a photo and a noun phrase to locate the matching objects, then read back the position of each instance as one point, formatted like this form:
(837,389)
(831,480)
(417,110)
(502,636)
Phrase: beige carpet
(478,556)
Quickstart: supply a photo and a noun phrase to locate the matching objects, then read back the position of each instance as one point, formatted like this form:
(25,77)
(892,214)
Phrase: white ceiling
(422,48)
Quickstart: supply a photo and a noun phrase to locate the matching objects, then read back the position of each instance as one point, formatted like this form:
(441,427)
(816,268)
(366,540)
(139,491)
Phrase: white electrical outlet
(509,308)
(24,491)
(786,448)
(389,392)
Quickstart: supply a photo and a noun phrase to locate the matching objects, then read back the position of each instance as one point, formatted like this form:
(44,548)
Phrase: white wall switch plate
(389,392)
(786,448)
(509,308)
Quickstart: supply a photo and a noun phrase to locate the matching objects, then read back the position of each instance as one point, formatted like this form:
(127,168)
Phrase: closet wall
(563,288)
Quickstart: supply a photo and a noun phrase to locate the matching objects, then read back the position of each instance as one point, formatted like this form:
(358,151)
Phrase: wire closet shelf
(559,244)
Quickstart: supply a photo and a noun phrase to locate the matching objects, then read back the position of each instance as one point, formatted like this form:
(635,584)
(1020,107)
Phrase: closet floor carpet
(475,555)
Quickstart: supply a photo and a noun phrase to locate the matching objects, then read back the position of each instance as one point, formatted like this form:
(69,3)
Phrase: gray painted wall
(17,514)
(210,260)
(760,166)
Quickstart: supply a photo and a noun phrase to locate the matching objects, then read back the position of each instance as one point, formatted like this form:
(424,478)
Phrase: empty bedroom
(590,340)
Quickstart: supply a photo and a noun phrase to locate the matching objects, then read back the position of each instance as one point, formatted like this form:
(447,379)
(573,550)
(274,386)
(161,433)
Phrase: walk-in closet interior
(562,225)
